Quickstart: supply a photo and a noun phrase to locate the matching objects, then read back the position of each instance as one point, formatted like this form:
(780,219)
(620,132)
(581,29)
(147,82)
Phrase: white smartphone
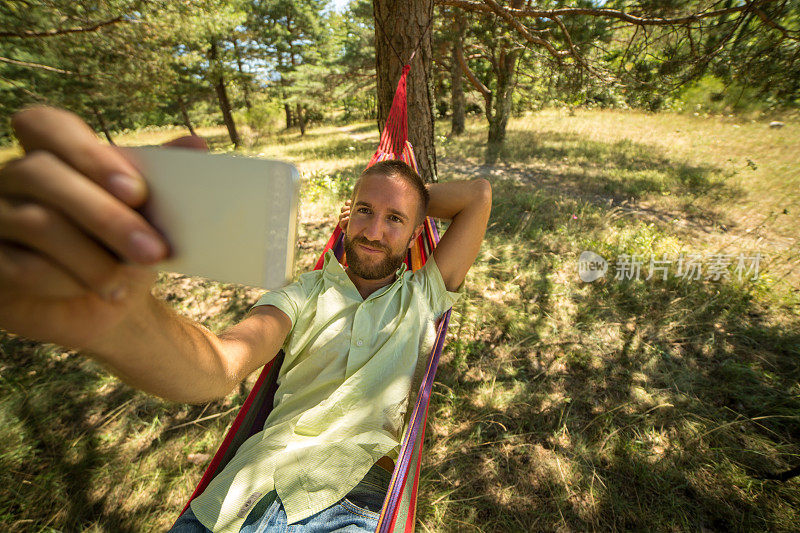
(228,218)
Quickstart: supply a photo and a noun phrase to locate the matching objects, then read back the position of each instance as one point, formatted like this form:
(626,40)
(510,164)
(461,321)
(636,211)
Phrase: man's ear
(414,235)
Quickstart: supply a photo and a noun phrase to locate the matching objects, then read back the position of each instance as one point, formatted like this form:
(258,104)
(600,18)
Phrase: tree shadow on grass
(219,143)
(620,174)
(50,443)
(371,127)
(81,450)
(648,432)
(690,404)
(614,406)
(333,149)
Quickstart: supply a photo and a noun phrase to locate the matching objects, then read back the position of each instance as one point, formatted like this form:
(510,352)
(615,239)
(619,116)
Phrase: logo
(591,266)
(248,504)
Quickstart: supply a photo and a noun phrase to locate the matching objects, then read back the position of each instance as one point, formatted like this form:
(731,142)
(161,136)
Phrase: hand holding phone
(75,259)
(73,256)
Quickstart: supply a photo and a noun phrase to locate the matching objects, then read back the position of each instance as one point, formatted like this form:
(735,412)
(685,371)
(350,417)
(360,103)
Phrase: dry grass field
(623,404)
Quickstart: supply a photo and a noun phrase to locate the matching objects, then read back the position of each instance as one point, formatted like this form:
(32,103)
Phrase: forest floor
(623,404)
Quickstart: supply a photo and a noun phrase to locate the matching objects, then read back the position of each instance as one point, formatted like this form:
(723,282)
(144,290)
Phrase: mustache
(377,246)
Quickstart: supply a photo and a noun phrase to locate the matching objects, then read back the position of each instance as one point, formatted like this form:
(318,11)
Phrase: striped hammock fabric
(399,507)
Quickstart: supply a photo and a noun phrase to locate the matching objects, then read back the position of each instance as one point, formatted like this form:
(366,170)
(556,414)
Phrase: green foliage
(706,95)
(264,116)
(152,66)
(712,95)
(323,183)
(354,88)
(125,74)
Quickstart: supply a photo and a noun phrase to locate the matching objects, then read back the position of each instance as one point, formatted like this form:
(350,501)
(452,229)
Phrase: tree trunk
(301,119)
(458,103)
(506,73)
(404,22)
(298,117)
(222,95)
(288,111)
(185,116)
(498,119)
(245,80)
(101,121)
(286,107)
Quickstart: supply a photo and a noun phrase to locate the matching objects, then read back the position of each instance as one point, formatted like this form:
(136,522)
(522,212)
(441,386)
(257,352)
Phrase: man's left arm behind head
(468,204)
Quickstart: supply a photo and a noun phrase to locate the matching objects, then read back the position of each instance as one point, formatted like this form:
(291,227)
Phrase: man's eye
(363,210)
(395,218)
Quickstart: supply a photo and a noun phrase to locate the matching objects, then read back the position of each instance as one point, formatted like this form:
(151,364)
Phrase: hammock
(399,507)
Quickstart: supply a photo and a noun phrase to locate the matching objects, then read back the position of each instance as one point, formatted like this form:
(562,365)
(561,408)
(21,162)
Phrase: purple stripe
(391,506)
(435,231)
(416,423)
(338,247)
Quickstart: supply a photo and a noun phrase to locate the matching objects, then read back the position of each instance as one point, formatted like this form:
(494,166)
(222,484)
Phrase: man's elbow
(483,191)
(199,394)
(217,389)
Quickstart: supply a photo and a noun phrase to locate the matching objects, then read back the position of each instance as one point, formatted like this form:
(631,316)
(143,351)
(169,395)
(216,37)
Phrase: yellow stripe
(416,259)
(395,477)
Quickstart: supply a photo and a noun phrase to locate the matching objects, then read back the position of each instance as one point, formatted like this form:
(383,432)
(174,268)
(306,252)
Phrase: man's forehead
(386,188)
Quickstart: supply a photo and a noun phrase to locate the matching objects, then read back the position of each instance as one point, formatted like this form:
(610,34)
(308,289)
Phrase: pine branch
(483,7)
(473,79)
(34,65)
(517,25)
(574,52)
(787,34)
(60,31)
(33,95)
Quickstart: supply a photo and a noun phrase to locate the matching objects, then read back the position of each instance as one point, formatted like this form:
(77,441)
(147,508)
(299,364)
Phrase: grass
(559,405)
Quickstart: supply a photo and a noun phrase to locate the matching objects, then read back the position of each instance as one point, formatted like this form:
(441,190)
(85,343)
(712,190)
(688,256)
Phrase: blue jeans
(357,512)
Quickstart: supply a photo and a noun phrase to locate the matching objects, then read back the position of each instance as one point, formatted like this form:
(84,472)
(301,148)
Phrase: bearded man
(352,337)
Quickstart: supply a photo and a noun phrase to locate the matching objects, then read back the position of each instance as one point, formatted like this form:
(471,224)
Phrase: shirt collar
(333,270)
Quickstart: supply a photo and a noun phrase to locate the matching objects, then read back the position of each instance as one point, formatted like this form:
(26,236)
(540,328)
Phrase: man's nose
(374,231)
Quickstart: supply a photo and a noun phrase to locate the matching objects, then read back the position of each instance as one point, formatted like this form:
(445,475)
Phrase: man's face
(381,226)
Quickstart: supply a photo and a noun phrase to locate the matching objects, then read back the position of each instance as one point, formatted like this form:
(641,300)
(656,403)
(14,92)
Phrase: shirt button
(359,343)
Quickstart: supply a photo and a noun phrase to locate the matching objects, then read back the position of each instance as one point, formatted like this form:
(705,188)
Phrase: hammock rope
(401,497)
(391,44)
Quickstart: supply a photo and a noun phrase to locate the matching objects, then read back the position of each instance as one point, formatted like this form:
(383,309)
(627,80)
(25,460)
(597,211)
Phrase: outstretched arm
(76,270)
(166,354)
(468,204)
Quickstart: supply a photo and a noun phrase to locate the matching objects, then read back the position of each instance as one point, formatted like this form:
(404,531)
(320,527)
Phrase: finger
(44,177)
(189,141)
(22,270)
(68,137)
(48,232)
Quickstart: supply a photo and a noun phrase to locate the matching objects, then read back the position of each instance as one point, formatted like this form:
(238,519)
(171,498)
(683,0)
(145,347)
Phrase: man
(352,337)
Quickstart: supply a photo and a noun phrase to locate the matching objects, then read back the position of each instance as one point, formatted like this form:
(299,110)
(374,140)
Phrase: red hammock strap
(395,132)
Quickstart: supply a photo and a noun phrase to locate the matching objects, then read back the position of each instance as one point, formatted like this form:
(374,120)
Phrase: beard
(371,266)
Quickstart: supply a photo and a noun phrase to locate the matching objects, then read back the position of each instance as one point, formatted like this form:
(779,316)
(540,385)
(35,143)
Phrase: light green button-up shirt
(343,392)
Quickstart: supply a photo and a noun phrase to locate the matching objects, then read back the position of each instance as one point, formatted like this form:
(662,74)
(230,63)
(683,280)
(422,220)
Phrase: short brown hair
(397,168)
